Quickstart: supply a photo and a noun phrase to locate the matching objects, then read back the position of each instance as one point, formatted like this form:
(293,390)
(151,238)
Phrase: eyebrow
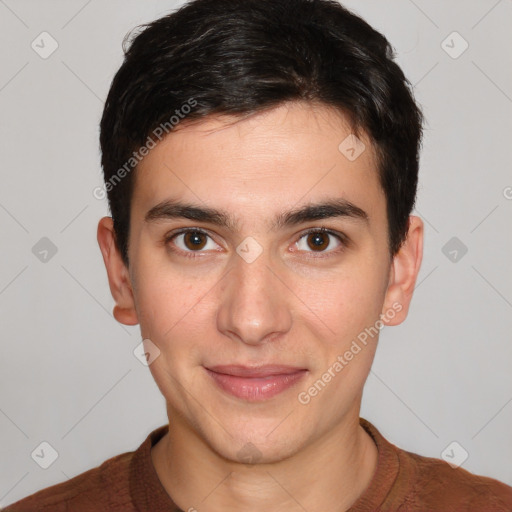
(332,208)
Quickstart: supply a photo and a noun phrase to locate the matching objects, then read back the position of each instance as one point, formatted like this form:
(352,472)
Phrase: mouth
(255,384)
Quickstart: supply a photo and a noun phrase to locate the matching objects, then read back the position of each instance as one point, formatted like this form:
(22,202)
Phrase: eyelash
(191,254)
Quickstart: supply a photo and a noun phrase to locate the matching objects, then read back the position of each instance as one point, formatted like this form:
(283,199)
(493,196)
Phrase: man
(261,164)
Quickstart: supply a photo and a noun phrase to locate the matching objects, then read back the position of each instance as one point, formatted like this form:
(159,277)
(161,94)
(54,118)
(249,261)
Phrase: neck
(330,473)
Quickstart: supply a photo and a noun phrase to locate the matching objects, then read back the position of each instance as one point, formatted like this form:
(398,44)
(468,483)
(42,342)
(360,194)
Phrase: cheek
(345,302)
(166,302)
(171,316)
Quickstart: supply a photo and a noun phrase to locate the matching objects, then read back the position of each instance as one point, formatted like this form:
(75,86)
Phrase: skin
(294,304)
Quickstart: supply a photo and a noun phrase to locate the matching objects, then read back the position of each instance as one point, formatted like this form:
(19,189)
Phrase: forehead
(285,156)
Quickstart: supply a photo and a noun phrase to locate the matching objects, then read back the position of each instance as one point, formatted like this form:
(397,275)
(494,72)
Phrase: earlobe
(118,276)
(403,273)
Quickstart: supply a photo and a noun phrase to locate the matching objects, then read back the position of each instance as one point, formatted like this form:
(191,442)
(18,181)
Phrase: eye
(188,241)
(191,240)
(319,240)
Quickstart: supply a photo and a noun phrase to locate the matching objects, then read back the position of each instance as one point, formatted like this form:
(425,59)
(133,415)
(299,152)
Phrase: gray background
(68,375)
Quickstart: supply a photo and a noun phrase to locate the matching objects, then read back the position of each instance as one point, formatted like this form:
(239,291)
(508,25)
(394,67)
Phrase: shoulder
(406,481)
(106,485)
(434,483)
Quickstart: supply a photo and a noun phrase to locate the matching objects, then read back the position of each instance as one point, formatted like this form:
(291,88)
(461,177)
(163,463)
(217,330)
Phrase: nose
(255,305)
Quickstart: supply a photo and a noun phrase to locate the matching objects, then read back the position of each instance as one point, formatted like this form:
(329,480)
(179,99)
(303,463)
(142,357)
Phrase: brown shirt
(402,481)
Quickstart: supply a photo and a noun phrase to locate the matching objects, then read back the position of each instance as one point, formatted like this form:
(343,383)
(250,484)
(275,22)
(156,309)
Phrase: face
(258,261)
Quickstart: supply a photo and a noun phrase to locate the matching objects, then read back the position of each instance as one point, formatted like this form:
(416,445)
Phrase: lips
(256,383)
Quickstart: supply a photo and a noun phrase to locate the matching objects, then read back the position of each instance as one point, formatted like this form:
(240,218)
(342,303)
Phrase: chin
(252,445)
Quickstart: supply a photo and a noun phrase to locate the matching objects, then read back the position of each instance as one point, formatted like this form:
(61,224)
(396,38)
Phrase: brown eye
(318,241)
(194,240)
(189,241)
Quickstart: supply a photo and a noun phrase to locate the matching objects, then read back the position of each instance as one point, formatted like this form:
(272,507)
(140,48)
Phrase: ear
(403,273)
(118,275)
